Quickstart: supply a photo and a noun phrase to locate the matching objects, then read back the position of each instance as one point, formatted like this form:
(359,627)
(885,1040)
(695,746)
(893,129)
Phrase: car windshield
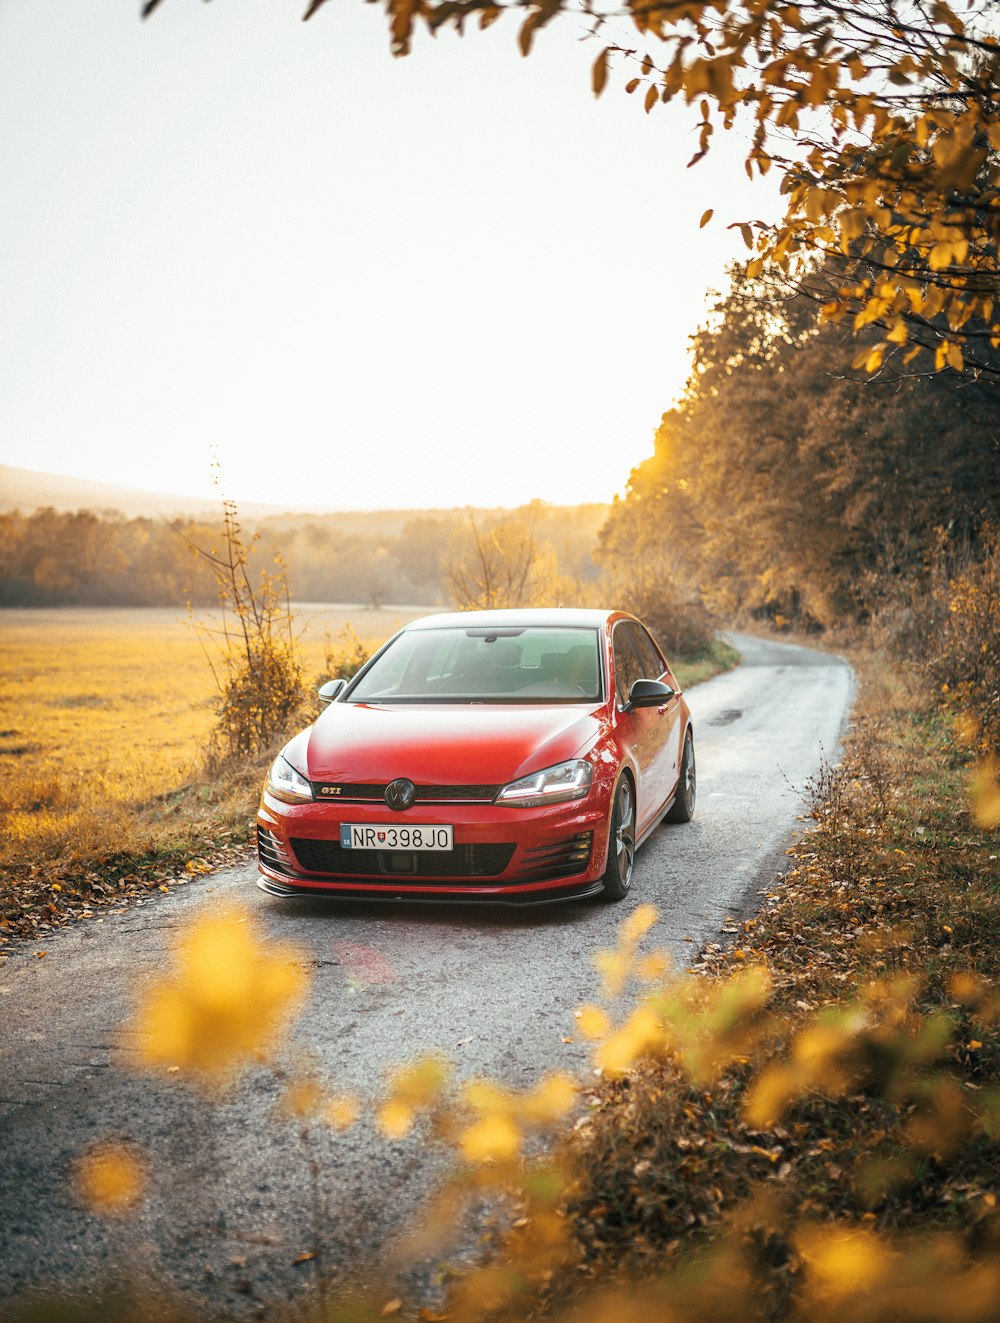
(535,664)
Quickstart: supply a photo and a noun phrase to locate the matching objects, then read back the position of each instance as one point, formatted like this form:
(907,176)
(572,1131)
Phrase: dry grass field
(103,712)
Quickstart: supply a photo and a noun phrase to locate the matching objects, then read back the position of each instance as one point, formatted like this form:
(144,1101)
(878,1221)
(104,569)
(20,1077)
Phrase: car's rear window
(536,664)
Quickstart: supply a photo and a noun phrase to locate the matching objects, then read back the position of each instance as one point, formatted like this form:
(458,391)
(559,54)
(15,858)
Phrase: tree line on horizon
(103,558)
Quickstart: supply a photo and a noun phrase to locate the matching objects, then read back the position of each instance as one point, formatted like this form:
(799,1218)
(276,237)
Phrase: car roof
(581,617)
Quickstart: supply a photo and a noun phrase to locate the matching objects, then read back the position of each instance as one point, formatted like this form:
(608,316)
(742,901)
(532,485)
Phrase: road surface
(228,1211)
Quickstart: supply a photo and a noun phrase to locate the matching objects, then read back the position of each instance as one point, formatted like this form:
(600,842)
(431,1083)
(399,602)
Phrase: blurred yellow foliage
(110,1178)
(341,1111)
(842,1260)
(413,1088)
(593,1022)
(224,1005)
(302,1097)
(494,1138)
(984,792)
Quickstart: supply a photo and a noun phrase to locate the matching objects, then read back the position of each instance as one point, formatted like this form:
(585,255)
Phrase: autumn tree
(501,564)
(788,485)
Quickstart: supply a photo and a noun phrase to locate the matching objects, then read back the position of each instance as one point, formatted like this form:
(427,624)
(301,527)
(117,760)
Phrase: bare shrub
(500,566)
(252,651)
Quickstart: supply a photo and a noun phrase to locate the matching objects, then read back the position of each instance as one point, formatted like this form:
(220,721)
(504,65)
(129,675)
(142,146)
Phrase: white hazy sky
(450,279)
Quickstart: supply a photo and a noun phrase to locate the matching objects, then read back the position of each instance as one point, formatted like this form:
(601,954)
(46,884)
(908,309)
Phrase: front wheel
(621,843)
(682,809)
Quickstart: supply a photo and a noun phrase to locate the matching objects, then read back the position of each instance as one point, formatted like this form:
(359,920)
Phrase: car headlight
(552,786)
(286,784)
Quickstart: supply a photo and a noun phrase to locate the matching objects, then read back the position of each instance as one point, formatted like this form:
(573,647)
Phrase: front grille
(465,861)
(374,792)
(557,858)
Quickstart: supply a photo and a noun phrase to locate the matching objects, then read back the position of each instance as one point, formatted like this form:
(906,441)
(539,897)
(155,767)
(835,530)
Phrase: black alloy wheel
(682,809)
(621,843)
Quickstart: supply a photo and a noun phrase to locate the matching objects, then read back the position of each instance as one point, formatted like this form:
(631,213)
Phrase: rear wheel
(621,842)
(682,809)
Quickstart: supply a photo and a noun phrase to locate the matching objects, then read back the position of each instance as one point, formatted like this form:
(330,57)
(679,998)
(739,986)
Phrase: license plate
(358,836)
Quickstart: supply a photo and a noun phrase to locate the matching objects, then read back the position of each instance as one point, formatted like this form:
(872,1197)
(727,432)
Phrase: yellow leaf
(638,923)
(943,13)
(599,74)
(640,1032)
(652,96)
(614,970)
(653,967)
(341,1112)
(940,256)
(593,1022)
(874,360)
(395,1119)
(955,357)
(553,1098)
(419,1084)
(844,1262)
(898,335)
(302,1097)
(493,1139)
(225,1003)
(984,791)
(852,223)
(706,216)
(110,1178)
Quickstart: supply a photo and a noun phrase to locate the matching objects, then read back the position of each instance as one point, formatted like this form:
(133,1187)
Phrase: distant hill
(27,490)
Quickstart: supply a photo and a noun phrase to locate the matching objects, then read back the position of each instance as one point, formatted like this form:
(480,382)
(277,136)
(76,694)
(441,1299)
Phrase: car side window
(628,668)
(653,664)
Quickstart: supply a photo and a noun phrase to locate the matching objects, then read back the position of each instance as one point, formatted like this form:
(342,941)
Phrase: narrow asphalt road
(228,1210)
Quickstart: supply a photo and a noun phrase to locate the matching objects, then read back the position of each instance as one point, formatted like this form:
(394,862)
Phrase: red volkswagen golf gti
(512,756)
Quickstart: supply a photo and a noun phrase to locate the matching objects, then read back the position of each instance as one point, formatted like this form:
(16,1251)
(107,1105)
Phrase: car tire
(682,809)
(621,842)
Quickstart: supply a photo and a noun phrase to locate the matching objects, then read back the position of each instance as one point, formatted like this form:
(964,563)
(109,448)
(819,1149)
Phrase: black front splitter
(289,890)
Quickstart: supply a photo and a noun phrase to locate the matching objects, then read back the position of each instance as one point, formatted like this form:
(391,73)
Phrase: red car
(516,756)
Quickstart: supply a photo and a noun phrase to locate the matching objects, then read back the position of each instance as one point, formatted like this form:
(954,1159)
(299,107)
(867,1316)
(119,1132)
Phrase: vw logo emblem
(400,794)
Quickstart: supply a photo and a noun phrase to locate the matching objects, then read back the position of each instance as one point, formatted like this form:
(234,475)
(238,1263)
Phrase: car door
(656,668)
(643,730)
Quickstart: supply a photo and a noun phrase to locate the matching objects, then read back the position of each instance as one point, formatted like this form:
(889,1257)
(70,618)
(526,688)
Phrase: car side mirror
(329,691)
(648,693)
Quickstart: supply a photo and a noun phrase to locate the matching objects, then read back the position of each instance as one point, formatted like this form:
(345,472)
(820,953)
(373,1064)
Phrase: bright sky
(362,282)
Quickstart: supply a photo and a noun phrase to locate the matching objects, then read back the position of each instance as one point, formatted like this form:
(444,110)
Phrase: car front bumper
(520,856)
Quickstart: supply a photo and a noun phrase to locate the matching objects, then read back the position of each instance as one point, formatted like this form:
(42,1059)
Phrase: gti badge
(400,794)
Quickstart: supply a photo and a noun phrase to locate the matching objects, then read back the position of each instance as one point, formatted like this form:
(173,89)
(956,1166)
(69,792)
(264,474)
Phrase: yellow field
(103,710)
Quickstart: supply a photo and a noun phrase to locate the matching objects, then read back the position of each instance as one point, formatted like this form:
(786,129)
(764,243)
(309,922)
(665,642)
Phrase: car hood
(446,743)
